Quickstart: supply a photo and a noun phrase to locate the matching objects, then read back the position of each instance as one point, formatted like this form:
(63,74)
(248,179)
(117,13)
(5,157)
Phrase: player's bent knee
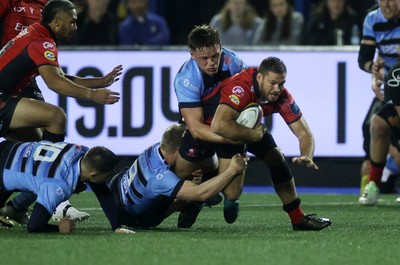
(58,116)
(281,173)
(379,126)
(274,157)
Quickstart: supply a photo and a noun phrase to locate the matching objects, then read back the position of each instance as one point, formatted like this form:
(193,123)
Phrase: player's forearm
(307,146)
(106,201)
(93,82)
(68,88)
(203,132)
(38,222)
(211,187)
(234,132)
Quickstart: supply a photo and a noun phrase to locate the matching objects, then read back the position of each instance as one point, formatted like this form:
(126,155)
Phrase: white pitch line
(380,202)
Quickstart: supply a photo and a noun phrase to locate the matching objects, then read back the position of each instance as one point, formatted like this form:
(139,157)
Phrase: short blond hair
(172,137)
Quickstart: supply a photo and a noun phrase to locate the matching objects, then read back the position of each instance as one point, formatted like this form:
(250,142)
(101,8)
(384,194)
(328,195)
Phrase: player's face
(67,25)
(279,8)
(390,8)
(207,58)
(271,85)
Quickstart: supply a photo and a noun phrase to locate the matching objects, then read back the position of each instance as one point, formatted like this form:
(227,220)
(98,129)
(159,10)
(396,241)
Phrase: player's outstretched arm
(98,82)
(192,192)
(56,81)
(306,143)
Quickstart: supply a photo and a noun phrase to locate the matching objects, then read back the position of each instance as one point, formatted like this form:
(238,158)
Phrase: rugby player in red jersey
(265,86)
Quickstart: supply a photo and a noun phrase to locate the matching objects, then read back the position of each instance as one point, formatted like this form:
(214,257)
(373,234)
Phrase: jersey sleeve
(187,85)
(38,222)
(288,108)
(107,203)
(368,31)
(43,52)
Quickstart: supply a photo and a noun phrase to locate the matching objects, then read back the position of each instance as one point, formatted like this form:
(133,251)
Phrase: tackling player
(209,64)
(147,192)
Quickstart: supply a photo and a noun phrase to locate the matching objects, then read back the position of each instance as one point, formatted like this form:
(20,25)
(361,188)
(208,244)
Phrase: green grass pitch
(261,235)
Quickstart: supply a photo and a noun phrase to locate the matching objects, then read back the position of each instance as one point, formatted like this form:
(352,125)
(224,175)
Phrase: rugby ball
(250,116)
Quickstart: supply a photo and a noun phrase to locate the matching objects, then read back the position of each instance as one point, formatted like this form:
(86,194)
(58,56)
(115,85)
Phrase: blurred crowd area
(240,22)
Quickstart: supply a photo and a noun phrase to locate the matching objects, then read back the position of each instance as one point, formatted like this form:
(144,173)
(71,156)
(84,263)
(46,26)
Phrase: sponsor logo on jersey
(295,108)
(238,90)
(28,150)
(191,152)
(234,99)
(48,45)
(49,56)
(186,82)
(394,81)
(227,60)
(59,191)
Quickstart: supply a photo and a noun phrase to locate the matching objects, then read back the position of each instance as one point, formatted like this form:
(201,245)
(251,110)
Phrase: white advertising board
(332,92)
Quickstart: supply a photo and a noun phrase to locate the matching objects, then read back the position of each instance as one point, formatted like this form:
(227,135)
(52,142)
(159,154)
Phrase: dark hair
(203,36)
(272,64)
(101,158)
(271,22)
(53,7)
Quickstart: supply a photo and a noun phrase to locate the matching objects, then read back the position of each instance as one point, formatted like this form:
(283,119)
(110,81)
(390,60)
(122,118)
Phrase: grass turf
(261,235)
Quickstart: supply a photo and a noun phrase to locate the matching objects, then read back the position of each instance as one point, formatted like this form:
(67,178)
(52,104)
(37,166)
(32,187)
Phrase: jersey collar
(255,85)
(52,35)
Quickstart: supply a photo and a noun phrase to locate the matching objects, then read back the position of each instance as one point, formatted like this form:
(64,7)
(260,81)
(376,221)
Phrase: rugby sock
(53,137)
(363,183)
(375,173)
(294,211)
(229,203)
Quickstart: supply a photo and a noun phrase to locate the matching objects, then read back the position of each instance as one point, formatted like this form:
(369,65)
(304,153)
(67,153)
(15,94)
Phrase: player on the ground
(148,191)
(265,86)
(54,171)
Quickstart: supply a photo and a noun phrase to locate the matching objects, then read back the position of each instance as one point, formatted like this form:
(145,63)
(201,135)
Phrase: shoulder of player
(232,55)
(189,74)
(375,15)
(285,94)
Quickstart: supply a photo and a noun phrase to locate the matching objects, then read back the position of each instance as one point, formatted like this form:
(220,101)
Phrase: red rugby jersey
(242,89)
(17,15)
(23,55)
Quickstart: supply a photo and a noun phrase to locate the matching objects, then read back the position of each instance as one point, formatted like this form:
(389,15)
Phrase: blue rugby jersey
(385,33)
(148,180)
(191,84)
(50,170)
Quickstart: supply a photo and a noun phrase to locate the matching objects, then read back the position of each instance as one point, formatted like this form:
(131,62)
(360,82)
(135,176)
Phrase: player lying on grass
(265,86)
(54,171)
(148,191)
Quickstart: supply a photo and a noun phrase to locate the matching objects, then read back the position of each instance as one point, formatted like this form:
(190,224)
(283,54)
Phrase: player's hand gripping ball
(250,116)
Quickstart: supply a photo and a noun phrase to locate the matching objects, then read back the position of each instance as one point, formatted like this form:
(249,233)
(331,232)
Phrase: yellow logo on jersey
(49,56)
(235,99)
